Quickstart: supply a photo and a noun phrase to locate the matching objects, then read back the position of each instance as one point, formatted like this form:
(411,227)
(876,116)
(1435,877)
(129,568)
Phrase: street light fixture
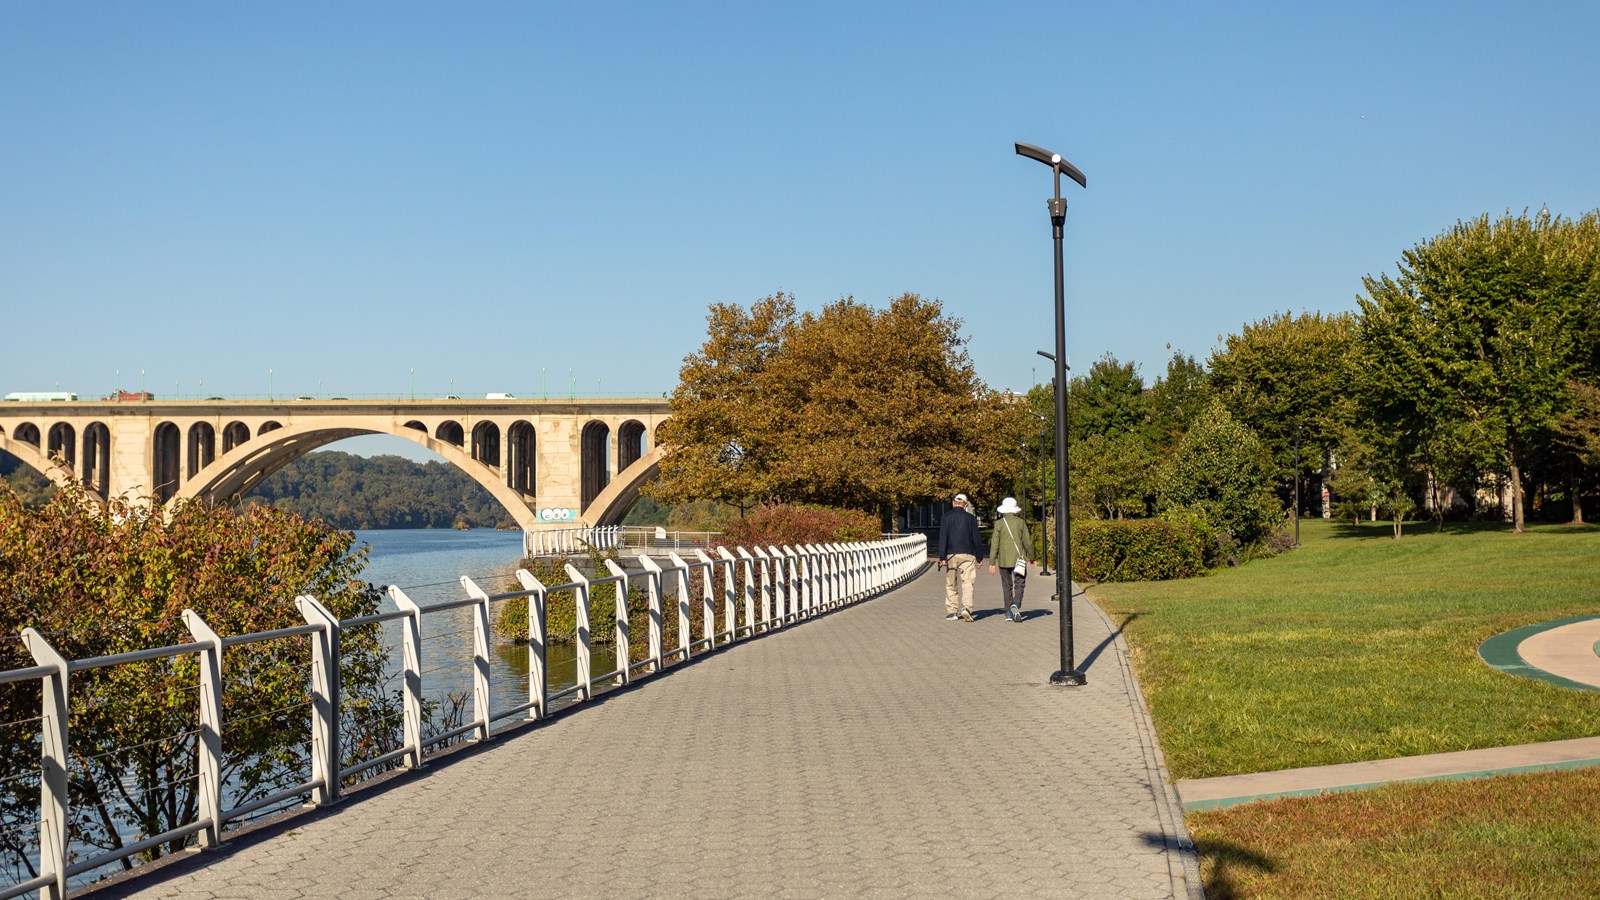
(1068,675)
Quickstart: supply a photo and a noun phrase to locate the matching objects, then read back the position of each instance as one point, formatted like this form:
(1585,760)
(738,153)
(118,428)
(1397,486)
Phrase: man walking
(960,550)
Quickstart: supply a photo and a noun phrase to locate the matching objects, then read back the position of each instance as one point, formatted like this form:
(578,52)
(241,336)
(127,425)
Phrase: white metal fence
(557,541)
(759,589)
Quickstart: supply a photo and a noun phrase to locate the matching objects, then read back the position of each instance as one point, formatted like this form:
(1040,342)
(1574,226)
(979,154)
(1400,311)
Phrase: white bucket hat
(1009,506)
(961,499)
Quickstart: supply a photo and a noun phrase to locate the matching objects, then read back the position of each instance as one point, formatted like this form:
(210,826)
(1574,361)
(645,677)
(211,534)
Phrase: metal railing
(561,541)
(792,583)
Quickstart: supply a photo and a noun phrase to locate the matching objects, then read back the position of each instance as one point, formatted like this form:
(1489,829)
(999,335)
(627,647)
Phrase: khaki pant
(958,582)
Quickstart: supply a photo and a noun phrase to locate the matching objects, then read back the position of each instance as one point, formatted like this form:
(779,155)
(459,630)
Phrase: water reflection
(427,565)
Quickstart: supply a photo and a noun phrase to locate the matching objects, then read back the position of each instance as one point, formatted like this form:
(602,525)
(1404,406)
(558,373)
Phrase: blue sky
(492,194)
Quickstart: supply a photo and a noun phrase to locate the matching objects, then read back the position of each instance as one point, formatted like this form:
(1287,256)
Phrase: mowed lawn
(1357,646)
(1532,835)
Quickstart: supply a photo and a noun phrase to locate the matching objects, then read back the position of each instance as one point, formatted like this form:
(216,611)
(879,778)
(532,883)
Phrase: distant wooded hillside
(350,491)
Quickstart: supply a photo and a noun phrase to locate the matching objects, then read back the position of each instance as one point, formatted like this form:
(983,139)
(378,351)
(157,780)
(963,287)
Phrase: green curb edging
(1500,652)
(1224,802)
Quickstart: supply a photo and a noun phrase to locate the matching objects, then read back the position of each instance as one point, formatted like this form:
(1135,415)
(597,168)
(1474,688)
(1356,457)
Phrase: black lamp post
(1044,533)
(1068,674)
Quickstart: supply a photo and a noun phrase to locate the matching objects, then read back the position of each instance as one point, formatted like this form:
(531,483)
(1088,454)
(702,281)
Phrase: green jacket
(1011,541)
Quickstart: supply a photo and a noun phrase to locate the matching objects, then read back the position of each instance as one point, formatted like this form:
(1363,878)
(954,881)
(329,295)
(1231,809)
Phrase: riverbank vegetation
(97,581)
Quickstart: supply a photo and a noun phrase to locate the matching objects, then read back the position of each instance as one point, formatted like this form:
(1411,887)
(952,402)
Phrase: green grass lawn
(1357,646)
(1532,835)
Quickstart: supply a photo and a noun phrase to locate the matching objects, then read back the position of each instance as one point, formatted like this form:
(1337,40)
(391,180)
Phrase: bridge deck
(878,751)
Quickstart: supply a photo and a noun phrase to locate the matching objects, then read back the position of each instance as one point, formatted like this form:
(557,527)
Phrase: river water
(428,564)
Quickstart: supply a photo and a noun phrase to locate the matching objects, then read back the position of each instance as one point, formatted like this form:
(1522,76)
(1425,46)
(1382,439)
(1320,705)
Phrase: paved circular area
(1562,652)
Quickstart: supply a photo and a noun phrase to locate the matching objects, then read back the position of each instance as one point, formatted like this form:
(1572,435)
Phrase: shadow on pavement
(1100,648)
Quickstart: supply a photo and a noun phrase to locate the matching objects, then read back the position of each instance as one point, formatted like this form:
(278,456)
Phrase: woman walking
(1013,551)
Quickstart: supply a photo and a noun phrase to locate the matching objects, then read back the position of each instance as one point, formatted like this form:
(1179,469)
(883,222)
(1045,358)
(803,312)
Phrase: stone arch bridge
(553,463)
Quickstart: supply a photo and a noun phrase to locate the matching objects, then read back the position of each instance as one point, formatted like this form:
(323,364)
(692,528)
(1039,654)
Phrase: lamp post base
(1069,679)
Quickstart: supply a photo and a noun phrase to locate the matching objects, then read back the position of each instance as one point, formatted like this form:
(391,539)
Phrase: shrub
(779,524)
(1137,550)
(1221,472)
(98,580)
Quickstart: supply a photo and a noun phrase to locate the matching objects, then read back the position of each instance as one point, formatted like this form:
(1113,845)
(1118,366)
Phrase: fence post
(729,624)
(53,794)
(209,742)
(411,674)
(708,593)
(325,755)
(819,602)
(536,643)
(749,590)
(585,673)
(830,598)
(653,593)
(771,603)
(480,656)
(836,567)
(788,600)
(622,618)
(684,629)
(800,591)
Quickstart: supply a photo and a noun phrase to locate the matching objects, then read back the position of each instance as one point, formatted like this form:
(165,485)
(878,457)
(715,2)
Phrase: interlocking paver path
(877,751)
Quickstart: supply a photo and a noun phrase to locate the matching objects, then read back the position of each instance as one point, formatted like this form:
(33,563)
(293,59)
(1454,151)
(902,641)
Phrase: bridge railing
(793,583)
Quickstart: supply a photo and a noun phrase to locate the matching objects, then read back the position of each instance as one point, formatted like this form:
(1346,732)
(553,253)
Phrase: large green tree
(1286,376)
(1472,343)
(849,406)
(724,432)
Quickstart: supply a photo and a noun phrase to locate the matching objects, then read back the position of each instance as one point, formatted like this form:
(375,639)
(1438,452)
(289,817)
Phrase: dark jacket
(958,533)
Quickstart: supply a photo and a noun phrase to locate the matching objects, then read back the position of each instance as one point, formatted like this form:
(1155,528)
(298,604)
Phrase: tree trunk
(1575,491)
(1516,495)
(1438,498)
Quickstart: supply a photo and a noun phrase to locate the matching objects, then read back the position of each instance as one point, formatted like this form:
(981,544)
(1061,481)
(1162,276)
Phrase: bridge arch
(241,469)
(202,447)
(522,457)
(486,443)
(266,427)
(613,503)
(31,456)
(27,433)
(96,475)
(166,444)
(63,444)
(630,444)
(450,432)
(593,473)
(234,434)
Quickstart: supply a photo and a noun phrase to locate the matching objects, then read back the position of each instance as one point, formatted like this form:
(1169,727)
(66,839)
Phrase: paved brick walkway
(878,751)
